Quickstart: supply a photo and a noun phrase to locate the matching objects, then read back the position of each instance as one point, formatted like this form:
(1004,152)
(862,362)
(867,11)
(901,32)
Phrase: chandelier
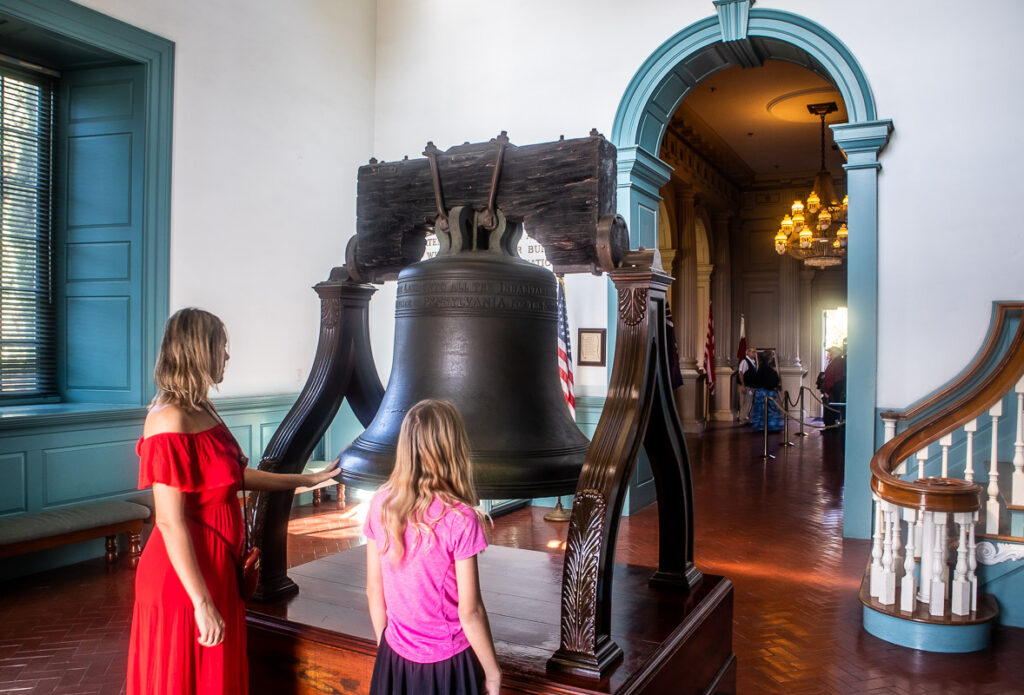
(816,233)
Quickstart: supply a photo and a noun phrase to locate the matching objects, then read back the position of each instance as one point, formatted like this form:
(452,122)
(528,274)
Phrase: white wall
(264,185)
(273,112)
(944,72)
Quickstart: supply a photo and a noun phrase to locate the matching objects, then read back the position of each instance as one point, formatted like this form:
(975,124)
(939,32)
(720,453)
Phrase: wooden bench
(28,533)
(316,467)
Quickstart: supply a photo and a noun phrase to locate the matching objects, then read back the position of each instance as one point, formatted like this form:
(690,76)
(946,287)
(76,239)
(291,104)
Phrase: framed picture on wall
(592,346)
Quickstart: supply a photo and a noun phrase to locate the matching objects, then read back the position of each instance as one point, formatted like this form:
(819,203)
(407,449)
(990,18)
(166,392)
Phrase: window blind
(27,335)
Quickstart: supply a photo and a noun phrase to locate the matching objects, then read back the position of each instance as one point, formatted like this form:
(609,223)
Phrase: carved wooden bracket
(342,368)
(639,411)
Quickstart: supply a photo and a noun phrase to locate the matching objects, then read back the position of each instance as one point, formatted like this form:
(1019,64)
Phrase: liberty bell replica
(476,325)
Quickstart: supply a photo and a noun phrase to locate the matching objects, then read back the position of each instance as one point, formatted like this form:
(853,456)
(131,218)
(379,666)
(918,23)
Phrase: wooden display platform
(321,640)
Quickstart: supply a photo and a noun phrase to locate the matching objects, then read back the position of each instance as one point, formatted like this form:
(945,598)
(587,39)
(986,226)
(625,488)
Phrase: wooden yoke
(343,367)
(639,411)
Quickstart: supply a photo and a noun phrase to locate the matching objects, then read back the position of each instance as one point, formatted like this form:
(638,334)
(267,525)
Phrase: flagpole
(565,373)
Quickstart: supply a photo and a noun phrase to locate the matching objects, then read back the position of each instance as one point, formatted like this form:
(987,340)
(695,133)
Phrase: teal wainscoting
(60,455)
(1004,580)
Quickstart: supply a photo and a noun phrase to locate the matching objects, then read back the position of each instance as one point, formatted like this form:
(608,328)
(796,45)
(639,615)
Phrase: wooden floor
(774,529)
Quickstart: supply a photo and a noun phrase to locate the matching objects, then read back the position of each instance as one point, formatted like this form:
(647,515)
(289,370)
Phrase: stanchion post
(800,404)
(785,420)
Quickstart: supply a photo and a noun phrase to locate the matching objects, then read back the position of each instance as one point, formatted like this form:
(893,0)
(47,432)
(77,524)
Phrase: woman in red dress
(188,628)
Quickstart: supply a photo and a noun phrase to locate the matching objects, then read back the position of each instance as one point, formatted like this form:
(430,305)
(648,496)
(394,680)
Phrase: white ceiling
(761,115)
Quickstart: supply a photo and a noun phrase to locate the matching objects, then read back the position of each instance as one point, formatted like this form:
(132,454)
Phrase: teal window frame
(156,55)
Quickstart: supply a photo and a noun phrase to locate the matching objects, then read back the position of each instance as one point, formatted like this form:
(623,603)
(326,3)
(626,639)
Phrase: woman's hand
(492,684)
(209,623)
(326,474)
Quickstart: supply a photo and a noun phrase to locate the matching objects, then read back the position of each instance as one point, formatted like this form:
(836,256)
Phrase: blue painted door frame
(749,36)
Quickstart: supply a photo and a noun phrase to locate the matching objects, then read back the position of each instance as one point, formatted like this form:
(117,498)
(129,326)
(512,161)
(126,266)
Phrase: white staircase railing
(927,501)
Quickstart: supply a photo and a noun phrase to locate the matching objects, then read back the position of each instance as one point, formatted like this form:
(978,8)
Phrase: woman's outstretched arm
(265,480)
(473,617)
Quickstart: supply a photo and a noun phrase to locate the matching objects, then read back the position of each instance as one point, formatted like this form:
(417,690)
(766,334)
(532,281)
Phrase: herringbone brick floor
(774,529)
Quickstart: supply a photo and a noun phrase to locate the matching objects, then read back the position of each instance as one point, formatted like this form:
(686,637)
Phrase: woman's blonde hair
(432,461)
(191,359)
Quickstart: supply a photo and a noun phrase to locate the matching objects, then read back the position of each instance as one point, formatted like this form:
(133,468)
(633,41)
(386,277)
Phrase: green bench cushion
(56,522)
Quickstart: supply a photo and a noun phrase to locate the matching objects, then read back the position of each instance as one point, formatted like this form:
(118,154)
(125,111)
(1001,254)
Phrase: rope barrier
(783,408)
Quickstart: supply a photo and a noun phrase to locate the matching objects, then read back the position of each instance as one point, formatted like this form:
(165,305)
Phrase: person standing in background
(746,372)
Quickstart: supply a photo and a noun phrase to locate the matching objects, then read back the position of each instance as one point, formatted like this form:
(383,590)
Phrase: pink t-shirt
(421,592)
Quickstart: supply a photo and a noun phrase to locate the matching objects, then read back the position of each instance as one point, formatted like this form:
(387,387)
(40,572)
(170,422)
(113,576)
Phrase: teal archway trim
(653,95)
(661,83)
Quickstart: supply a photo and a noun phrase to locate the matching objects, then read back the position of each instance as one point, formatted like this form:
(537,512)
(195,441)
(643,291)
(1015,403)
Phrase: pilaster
(862,142)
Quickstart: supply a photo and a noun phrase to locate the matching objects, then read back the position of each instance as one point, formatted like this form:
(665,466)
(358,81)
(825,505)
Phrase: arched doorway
(740,35)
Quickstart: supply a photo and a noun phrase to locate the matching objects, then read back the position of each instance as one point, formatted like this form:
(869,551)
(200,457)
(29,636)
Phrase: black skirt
(460,674)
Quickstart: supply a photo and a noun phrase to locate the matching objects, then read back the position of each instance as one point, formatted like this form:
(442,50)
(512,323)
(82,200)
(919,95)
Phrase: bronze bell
(477,325)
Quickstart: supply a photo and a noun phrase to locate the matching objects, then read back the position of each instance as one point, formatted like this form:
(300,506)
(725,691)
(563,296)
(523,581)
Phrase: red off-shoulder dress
(163,655)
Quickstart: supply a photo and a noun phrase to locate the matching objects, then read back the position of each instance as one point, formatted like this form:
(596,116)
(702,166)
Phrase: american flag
(742,352)
(709,352)
(565,351)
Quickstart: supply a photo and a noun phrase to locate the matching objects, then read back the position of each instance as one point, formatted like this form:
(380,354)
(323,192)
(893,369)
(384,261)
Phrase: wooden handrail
(947,494)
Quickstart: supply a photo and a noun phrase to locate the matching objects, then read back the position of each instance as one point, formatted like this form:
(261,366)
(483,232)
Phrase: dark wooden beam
(563,193)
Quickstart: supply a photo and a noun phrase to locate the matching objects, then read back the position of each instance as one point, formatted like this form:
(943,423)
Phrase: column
(862,143)
(810,353)
(721,300)
(790,369)
(684,307)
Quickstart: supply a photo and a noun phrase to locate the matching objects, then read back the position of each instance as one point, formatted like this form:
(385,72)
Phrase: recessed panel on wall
(101,101)
(99,261)
(100,326)
(762,316)
(647,226)
(762,249)
(651,129)
(13,483)
(267,430)
(668,93)
(243,435)
(88,472)
(99,180)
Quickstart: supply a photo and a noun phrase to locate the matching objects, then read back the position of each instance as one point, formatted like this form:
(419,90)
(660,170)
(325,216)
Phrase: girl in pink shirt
(423,535)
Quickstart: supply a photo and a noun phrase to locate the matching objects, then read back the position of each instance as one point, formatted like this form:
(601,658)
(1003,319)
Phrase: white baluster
(908,585)
(897,543)
(945,443)
(972,562)
(992,506)
(970,428)
(1017,494)
(924,587)
(887,593)
(922,456)
(937,600)
(889,428)
(961,598)
(875,578)
(900,470)
(919,533)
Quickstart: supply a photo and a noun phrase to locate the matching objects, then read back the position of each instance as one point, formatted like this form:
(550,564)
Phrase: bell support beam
(638,412)
(562,191)
(342,368)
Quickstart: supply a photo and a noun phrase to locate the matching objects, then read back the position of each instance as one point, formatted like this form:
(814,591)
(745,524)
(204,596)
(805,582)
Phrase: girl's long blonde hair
(432,461)
(191,359)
